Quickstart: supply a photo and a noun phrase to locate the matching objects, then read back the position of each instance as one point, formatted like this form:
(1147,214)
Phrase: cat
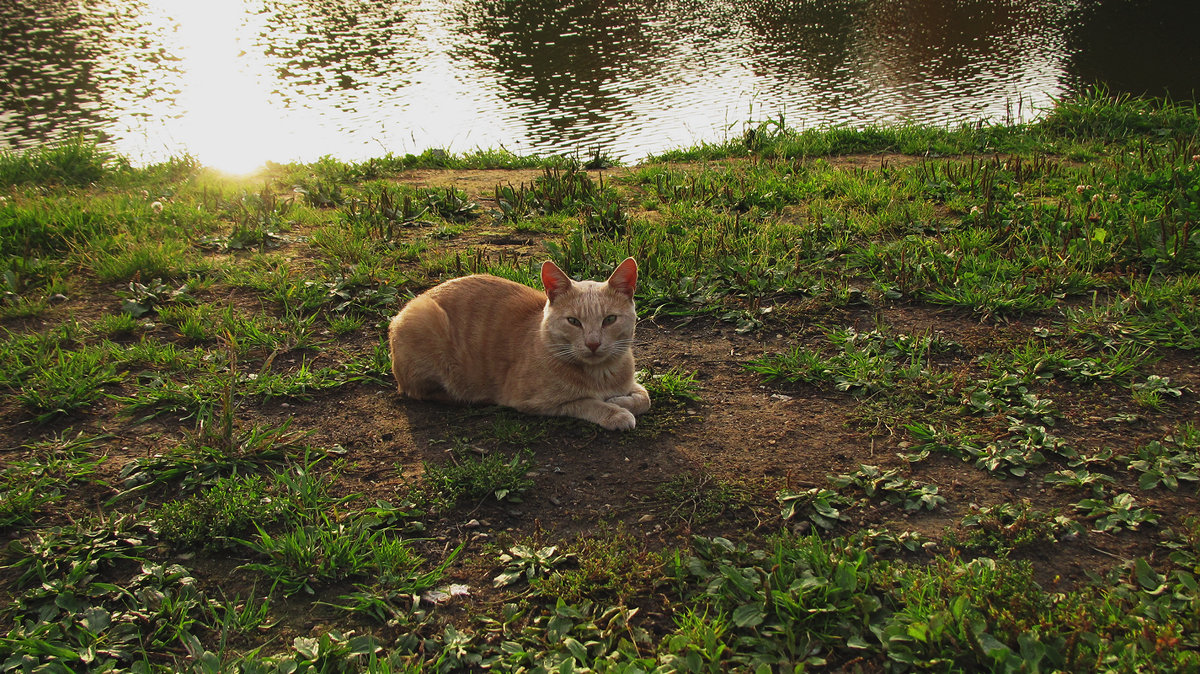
(565,352)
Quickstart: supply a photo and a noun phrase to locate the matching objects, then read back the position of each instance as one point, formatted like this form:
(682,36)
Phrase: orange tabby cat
(483,339)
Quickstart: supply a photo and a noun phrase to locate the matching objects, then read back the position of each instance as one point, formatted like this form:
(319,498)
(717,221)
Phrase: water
(235,83)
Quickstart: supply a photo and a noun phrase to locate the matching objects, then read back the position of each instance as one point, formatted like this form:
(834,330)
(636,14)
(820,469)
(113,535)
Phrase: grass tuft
(76,163)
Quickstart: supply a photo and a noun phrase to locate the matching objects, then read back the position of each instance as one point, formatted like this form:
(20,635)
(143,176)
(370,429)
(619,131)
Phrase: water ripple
(238,82)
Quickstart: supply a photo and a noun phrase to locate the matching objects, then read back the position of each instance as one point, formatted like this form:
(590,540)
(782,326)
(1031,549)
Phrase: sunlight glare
(226,115)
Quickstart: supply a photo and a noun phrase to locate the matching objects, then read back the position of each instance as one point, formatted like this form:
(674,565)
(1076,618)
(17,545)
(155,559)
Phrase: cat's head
(588,321)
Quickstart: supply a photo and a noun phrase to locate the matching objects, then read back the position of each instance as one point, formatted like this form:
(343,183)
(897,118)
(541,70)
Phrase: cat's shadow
(448,431)
(565,471)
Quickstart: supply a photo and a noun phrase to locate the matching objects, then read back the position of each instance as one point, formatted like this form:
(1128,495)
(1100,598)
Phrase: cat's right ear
(554,280)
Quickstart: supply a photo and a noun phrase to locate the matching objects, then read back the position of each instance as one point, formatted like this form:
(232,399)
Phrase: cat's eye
(610,319)
(574,321)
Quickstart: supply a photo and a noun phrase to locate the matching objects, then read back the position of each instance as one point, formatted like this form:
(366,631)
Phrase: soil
(742,433)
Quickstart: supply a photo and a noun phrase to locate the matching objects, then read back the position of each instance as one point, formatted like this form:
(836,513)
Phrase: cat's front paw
(627,402)
(637,402)
(619,419)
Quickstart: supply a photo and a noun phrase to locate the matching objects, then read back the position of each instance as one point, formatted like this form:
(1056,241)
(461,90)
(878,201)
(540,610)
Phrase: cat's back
(471,296)
(460,339)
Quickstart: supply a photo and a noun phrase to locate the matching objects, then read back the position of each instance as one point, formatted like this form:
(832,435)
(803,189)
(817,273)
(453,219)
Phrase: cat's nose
(592,345)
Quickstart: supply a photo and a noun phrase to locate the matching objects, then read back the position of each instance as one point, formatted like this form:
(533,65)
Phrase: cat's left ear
(554,280)
(624,278)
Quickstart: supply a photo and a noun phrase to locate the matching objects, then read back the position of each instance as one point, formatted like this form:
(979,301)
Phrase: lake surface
(235,83)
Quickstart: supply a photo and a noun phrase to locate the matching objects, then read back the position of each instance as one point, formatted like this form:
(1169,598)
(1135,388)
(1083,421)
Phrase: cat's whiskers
(562,354)
(560,349)
(620,345)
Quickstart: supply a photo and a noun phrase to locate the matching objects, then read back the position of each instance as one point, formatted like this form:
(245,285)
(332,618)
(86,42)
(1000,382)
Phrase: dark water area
(235,83)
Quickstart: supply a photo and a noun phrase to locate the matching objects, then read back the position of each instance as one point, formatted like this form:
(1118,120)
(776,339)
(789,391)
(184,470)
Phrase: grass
(30,485)
(231,507)
(979,342)
(470,477)
(672,385)
(77,163)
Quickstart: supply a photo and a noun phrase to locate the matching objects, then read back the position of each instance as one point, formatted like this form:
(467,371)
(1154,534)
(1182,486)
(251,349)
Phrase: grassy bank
(924,399)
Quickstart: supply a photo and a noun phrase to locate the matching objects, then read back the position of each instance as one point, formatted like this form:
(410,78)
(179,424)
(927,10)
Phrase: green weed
(125,258)
(115,325)
(953,615)
(698,643)
(145,298)
(211,454)
(327,551)
(612,567)
(67,381)
(517,430)
(450,204)
(1025,445)
(1185,546)
(231,507)
(1080,479)
(384,212)
(1005,527)
(1122,512)
(864,362)
(891,487)
(396,592)
(525,562)
(28,485)
(239,616)
(822,506)
(67,612)
(1168,463)
(1153,391)
(789,604)
(674,385)
(468,477)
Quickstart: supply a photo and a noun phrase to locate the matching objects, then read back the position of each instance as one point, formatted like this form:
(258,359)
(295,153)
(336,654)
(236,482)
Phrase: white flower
(156,207)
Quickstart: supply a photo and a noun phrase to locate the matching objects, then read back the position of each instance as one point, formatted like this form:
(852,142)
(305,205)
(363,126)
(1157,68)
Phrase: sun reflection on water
(250,91)
(224,111)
